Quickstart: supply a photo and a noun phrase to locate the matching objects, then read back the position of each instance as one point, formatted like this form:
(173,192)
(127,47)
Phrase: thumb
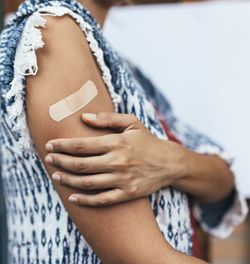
(120,122)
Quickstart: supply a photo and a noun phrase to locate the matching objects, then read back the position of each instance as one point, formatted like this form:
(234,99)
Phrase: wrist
(176,162)
(187,164)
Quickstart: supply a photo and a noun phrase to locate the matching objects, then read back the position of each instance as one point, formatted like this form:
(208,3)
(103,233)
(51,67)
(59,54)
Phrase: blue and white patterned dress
(40,230)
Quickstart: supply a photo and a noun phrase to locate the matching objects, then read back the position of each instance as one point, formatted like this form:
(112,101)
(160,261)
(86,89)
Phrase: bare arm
(207,177)
(118,234)
(148,167)
(125,233)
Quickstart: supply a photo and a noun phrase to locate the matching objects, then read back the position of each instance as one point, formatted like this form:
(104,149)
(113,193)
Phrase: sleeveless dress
(40,230)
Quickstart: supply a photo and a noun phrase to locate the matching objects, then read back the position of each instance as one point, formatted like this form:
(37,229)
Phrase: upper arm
(65,64)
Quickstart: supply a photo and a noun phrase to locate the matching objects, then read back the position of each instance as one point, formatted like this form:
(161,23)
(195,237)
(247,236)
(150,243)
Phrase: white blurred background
(198,54)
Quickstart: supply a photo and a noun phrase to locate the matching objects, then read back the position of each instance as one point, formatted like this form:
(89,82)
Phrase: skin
(120,161)
(143,168)
(108,230)
(132,169)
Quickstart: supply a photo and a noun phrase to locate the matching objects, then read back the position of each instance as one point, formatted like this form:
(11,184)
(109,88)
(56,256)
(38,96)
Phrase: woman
(106,149)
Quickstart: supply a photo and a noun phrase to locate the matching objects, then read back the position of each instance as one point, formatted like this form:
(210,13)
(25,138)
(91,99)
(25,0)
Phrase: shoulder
(65,63)
(63,32)
(63,36)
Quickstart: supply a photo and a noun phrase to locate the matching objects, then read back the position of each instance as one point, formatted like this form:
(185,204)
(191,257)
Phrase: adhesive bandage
(74,102)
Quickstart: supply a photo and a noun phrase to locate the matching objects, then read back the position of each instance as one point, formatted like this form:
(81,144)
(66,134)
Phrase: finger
(90,182)
(119,122)
(79,165)
(81,146)
(107,198)
(86,146)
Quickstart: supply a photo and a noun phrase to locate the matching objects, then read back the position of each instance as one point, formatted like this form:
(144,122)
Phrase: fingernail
(89,116)
(49,147)
(73,199)
(49,159)
(56,177)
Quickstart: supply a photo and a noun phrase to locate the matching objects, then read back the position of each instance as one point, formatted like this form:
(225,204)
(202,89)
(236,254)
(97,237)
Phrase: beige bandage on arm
(74,102)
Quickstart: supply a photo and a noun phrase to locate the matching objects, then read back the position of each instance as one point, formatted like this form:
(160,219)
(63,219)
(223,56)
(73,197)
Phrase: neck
(97,9)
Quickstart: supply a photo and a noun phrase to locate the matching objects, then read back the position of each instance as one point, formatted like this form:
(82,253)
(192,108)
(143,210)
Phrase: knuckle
(125,161)
(107,199)
(119,142)
(103,201)
(133,190)
(77,147)
(121,162)
(87,184)
(64,179)
(133,118)
(101,115)
(129,178)
(78,166)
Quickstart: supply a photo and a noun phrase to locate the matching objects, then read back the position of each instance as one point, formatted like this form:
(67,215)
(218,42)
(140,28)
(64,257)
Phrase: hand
(126,165)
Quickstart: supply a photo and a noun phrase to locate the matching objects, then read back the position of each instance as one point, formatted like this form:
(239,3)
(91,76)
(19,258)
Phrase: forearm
(125,233)
(180,258)
(205,177)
